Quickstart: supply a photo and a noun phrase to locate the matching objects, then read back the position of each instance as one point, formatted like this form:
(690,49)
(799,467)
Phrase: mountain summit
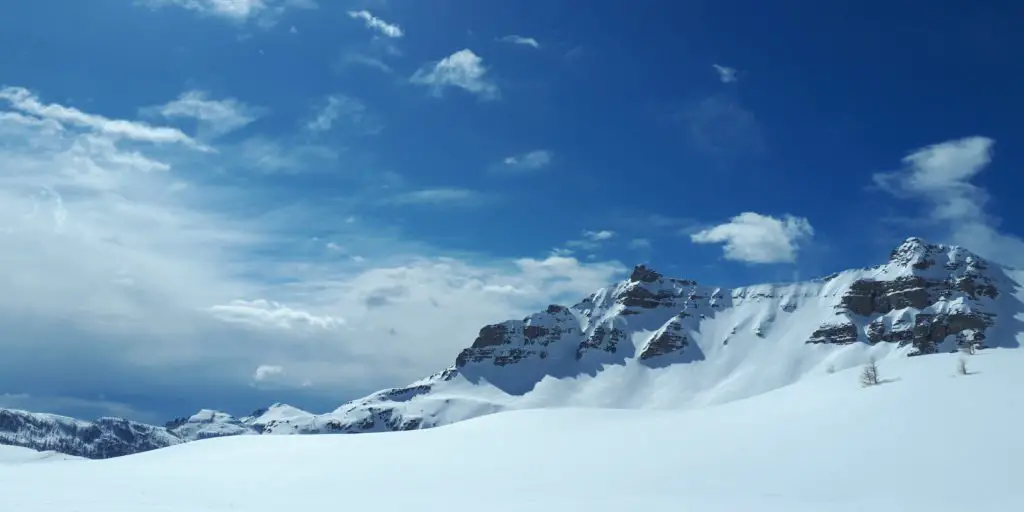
(649,341)
(657,341)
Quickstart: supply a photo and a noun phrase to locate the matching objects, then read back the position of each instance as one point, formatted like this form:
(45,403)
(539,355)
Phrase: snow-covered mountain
(207,423)
(100,439)
(113,437)
(652,341)
(928,439)
(657,342)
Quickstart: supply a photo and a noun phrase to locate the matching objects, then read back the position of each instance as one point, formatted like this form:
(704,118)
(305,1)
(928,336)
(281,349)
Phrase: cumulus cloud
(462,69)
(520,40)
(754,238)
(940,175)
(526,162)
(215,117)
(266,372)
(726,74)
(374,23)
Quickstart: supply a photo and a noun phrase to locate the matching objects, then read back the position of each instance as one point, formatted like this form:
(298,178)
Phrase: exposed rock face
(945,285)
(839,333)
(669,339)
(515,340)
(101,439)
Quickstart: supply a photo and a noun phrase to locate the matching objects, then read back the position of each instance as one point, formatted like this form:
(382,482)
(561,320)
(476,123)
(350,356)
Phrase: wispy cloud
(597,236)
(23,100)
(726,74)
(640,243)
(261,312)
(940,175)
(274,156)
(719,126)
(754,238)
(590,240)
(462,69)
(368,61)
(526,162)
(438,197)
(374,23)
(265,12)
(340,106)
(520,40)
(215,117)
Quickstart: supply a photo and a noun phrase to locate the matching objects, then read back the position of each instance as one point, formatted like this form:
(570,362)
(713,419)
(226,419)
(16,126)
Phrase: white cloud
(756,238)
(24,101)
(941,176)
(462,69)
(525,162)
(597,236)
(215,117)
(262,312)
(438,196)
(338,106)
(590,240)
(265,12)
(374,23)
(520,40)
(726,74)
(124,268)
(266,372)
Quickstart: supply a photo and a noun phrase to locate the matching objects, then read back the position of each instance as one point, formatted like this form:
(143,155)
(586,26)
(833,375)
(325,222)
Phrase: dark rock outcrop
(669,339)
(838,333)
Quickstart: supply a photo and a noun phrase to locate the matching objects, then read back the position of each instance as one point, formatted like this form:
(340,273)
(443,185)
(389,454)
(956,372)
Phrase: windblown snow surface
(927,439)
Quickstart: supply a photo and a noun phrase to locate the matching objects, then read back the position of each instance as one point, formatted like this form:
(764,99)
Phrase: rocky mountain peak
(642,274)
(917,254)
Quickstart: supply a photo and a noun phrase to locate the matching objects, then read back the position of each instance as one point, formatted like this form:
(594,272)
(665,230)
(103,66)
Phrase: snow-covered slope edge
(927,440)
(658,342)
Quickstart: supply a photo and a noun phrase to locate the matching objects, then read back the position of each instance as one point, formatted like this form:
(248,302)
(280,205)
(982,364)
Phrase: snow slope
(19,455)
(657,342)
(927,439)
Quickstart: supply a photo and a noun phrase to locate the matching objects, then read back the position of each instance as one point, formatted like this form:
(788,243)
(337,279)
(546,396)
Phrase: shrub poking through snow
(869,375)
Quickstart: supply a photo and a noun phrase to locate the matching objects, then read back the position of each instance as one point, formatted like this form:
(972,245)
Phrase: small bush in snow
(869,375)
(961,367)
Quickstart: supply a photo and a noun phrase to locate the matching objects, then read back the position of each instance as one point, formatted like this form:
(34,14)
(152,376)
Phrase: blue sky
(220,203)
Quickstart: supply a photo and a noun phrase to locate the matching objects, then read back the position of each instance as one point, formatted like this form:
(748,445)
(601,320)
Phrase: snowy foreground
(927,439)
